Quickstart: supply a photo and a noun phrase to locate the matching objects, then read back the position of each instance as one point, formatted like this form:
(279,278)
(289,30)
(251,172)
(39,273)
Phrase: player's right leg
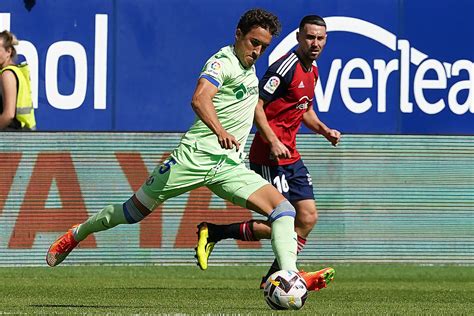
(210,234)
(165,182)
(132,211)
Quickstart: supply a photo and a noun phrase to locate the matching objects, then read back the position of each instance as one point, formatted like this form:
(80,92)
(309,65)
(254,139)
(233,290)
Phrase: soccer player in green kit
(211,152)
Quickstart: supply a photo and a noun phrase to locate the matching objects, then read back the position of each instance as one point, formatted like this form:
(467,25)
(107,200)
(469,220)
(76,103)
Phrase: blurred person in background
(286,95)
(16,105)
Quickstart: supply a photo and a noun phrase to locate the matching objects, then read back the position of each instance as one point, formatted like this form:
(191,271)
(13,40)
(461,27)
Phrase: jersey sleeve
(274,83)
(216,70)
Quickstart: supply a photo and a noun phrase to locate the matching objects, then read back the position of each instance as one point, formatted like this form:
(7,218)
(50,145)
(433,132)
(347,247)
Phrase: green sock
(284,242)
(108,217)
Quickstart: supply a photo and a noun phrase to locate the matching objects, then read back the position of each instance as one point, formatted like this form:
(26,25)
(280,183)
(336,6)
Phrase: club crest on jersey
(214,68)
(272,84)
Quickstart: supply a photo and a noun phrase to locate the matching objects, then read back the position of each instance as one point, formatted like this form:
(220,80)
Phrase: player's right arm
(205,110)
(272,86)
(277,149)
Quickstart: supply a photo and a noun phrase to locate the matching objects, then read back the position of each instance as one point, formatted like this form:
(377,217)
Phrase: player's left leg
(281,216)
(306,218)
(245,188)
(295,184)
(301,189)
(283,236)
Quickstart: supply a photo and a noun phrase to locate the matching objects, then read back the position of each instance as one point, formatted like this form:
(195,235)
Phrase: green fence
(380,199)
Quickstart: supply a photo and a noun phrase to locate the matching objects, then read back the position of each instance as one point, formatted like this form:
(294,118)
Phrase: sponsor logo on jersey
(301,85)
(272,84)
(303,103)
(242,91)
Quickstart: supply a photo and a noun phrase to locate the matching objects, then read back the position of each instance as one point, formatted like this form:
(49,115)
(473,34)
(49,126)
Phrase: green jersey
(235,104)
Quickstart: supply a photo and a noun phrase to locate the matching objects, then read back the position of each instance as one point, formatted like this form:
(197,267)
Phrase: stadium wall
(389,67)
(381,199)
(395,76)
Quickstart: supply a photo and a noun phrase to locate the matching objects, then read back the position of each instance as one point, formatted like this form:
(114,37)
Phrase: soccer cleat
(319,279)
(263,282)
(204,247)
(60,249)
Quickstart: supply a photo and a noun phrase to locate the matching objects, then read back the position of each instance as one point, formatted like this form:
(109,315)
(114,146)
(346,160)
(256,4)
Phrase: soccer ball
(285,289)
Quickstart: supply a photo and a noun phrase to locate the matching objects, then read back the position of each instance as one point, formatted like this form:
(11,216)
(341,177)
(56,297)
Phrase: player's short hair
(259,18)
(312,19)
(9,41)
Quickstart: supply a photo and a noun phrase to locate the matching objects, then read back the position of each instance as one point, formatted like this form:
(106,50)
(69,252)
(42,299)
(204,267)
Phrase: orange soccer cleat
(319,279)
(60,249)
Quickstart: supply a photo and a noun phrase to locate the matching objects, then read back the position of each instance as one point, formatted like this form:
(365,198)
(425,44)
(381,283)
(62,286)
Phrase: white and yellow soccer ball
(285,289)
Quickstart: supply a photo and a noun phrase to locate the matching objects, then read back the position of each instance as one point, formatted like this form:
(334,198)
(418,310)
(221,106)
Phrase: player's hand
(278,150)
(228,141)
(334,137)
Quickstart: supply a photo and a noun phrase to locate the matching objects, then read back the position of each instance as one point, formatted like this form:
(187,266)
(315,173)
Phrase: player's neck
(305,62)
(240,61)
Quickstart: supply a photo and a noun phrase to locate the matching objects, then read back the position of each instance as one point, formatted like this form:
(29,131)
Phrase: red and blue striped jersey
(288,90)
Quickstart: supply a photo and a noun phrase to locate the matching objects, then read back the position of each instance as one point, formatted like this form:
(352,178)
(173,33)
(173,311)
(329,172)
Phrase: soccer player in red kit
(286,101)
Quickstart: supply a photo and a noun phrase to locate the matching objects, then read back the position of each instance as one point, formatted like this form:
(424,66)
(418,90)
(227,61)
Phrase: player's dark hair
(312,19)
(259,18)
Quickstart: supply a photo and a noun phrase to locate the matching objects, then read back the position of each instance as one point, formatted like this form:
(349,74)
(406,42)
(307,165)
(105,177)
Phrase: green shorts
(188,168)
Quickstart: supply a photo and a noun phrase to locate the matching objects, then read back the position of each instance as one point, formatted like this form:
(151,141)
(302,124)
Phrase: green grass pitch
(364,289)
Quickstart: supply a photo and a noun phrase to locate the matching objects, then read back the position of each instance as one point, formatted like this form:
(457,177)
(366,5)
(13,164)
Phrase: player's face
(250,46)
(311,40)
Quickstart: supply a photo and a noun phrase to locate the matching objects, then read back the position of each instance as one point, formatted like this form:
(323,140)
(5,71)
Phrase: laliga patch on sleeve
(214,68)
(272,84)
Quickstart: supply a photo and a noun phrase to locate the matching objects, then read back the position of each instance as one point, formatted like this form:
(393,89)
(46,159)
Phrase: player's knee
(283,209)
(306,221)
(306,216)
(134,210)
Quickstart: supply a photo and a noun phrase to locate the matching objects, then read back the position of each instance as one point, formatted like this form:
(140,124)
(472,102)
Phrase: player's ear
(238,34)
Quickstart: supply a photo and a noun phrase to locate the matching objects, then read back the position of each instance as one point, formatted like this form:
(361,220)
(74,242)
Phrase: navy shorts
(293,180)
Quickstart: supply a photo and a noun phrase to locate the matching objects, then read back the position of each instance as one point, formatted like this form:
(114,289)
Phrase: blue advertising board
(389,67)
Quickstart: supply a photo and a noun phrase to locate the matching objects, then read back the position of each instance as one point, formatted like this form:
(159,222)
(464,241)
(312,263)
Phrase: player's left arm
(312,121)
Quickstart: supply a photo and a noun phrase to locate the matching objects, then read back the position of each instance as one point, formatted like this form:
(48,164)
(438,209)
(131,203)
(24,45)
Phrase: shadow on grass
(82,305)
(170,288)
